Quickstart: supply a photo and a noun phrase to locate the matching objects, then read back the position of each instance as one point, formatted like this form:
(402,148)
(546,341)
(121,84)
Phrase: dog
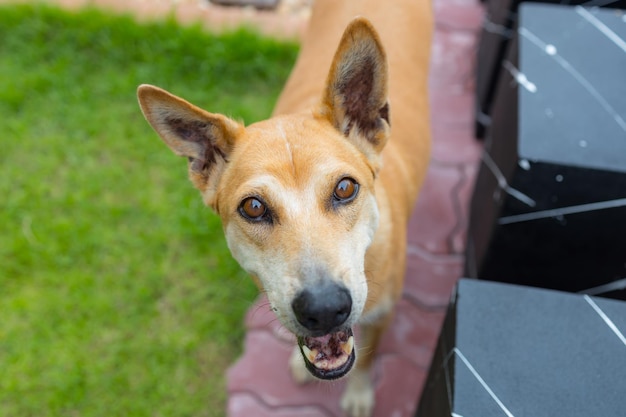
(315,200)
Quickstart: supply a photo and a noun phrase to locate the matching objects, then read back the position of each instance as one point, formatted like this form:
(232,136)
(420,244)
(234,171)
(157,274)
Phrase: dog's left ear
(355,99)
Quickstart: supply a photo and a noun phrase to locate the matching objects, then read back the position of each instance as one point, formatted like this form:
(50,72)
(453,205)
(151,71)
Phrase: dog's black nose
(322,308)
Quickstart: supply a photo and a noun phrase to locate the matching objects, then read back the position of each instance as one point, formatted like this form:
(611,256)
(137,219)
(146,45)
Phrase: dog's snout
(322,308)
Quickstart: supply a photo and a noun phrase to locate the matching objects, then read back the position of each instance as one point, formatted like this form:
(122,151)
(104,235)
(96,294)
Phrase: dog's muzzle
(323,310)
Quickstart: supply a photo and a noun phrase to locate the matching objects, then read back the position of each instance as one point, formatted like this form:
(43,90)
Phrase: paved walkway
(286,22)
(260,385)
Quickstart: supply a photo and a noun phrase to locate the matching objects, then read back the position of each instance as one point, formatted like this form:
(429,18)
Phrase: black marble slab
(549,206)
(508,350)
(498,29)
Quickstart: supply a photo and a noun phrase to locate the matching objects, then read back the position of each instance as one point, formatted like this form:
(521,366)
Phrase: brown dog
(315,200)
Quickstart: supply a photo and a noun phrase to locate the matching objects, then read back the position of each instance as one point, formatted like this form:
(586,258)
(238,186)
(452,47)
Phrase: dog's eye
(253,209)
(345,190)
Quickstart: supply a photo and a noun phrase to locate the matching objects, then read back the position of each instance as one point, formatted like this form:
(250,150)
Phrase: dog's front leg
(358,398)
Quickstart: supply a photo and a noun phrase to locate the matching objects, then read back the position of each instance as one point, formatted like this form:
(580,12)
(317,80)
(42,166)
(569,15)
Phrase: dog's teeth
(310,354)
(348,346)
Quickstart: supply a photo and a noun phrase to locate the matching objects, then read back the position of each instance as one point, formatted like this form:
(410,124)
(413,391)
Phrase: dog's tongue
(329,356)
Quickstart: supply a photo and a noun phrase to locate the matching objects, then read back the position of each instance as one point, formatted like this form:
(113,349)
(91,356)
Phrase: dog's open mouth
(330,356)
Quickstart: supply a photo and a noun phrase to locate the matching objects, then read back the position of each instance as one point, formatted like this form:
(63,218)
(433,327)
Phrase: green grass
(118,296)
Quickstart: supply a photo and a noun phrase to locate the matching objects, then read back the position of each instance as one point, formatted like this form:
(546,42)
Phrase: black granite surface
(550,197)
(508,350)
(498,29)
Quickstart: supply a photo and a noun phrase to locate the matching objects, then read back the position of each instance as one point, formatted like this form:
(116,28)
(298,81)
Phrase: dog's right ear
(204,138)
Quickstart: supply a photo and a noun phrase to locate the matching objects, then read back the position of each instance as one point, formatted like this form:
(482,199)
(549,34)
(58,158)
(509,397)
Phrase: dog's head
(296,194)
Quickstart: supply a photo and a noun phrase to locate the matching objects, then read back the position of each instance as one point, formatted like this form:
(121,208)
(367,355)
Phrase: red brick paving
(259,383)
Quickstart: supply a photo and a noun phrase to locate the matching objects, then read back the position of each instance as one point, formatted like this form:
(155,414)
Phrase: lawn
(118,296)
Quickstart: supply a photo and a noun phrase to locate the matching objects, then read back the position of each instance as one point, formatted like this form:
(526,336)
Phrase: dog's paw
(358,398)
(298,370)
